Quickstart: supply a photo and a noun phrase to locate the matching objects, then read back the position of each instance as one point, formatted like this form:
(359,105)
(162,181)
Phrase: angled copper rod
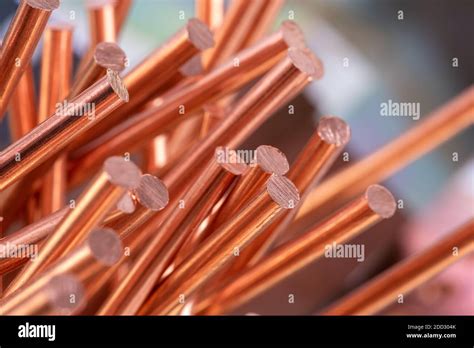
(142,127)
(19,44)
(117,176)
(23,115)
(122,9)
(102,20)
(375,204)
(405,276)
(268,160)
(210,12)
(56,70)
(165,61)
(101,250)
(219,250)
(162,246)
(318,155)
(439,126)
(58,131)
(54,298)
(105,55)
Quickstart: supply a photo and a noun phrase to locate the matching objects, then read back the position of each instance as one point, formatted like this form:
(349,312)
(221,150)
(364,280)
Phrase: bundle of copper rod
(128,192)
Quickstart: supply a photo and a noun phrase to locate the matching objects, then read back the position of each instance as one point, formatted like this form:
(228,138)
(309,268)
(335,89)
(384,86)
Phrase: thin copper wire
(405,276)
(141,128)
(19,44)
(162,246)
(117,176)
(219,249)
(56,70)
(438,127)
(52,299)
(58,131)
(375,204)
(210,12)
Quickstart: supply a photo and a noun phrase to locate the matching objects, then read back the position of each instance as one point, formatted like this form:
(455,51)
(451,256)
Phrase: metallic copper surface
(102,20)
(375,204)
(19,44)
(58,131)
(122,8)
(210,12)
(405,276)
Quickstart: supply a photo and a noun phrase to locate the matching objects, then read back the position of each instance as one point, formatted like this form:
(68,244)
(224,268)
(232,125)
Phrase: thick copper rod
(312,164)
(23,115)
(101,250)
(122,9)
(56,70)
(375,204)
(405,276)
(165,62)
(210,12)
(220,248)
(162,246)
(101,21)
(439,126)
(52,299)
(19,44)
(268,160)
(58,131)
(117,176)
(143,127)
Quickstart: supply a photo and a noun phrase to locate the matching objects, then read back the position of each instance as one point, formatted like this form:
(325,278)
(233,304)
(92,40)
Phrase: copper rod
(162,246)
(58,131)
(56,69)
(219,249)
(23,115)
(210,12)
(405,276)
(19,44)
(375,204)
(117,176)
(143,127)
(102,21)
(106,55)
(52,299)
(101,250)
(439,126)
(122,9)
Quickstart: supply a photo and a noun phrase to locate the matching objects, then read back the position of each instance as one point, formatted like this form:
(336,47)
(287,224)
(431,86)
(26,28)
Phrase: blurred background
(407,51)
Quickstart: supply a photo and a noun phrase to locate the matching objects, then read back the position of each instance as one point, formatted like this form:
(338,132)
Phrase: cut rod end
(199,34)
(334,130)
(381,201)
(283,191)
(306,61)
(292,34)
(109,55)
(152,193)
(66,293)
(105,245)
(272,160)
(122,172)
(47,5)
(117,85)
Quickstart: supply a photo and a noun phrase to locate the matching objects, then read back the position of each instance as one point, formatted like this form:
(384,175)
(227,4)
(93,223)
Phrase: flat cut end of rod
(126,204)
(61,289)
(122,172)
(192,67)
(152,193)
(105,245)
(47,5)
(292,34)
(109,55)
(272,160)
(283,191)
(381,201)
(306,61)
(117,85)
(334,130)
(199,34)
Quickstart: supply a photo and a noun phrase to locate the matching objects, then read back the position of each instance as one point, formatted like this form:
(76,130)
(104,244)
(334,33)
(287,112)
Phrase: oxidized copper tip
(117,85)
(47,5)
(122,172)
(283,191)
(126,204)
(152,193)
(292,34)
(199,34)
(334,130)
(306,61)
(105,245)
(381,201)
(109,55)
(236,166)
(66,293)
(192,67)
(272,160)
